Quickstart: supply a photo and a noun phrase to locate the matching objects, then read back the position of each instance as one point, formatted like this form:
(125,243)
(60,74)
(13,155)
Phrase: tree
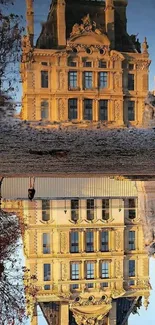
(10,49)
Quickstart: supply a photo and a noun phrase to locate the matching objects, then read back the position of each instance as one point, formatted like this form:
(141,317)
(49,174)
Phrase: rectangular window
(132,208)
(74,210)
(131,66)
(131,111)
(103,79)
(44,63)
(74,242)
(90,209)
(72,109)
(105,209)
(131,81)
(90,270)
(45,210)
(88,105)
(89,241)
(47,272)
(88,80)
(104,241)
(87,64)
(131,268)
(104,270)
(72,63)
(102,64)
(72,80)
(44,79)
(46,243)
(44,110)
(131,240)
(104,285)
(74,271)
(103,110)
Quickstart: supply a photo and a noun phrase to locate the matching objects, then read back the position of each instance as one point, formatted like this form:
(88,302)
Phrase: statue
(149,111)
(145,46)
(86,26)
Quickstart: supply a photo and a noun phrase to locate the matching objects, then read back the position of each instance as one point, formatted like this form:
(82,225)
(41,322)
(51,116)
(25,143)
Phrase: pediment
(91,38)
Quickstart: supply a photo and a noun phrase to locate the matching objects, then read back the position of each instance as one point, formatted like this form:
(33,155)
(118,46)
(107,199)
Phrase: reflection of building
(87,250)
(84,66)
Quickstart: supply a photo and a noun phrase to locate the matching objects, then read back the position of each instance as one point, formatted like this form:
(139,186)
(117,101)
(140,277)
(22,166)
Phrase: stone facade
(77,268)
(85,68)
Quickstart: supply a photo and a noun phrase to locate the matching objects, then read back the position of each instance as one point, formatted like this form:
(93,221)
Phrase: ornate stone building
(84,67)
(84,242)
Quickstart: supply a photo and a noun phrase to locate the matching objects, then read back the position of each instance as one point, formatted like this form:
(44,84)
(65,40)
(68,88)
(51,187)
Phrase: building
(84,68)
(84,242)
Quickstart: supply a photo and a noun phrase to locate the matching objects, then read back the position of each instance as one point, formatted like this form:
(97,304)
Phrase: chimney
(61,22)
(30,20)
(110,22)
(120,7)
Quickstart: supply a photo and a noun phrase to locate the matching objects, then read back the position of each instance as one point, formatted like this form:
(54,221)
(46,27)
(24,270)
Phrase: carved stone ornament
(143,65)
(116,80)
(116,56)
(91,302)
(61,109)
(89,320)
(64,272)
(87,26)
(118,239)
(61,80)
(63,242)
(117,111)
(27,50)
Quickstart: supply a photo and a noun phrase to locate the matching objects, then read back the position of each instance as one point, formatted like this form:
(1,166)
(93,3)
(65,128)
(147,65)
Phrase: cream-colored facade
(86,251)
(84,69)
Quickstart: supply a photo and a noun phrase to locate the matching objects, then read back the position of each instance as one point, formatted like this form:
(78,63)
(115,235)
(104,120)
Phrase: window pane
(72,79)
(131,111)
(89,241)
(74,210)
(102,64)
(45,210)
(47,272)
(132,240)
(89,270)
(44,79)
(131,79)
(131,268)
(74,271)
(72,108)
(44,110)
(104,270)
(72,63)
(88,103)
(87,64)
(88,78)
(105,209)
(90,209)
(46,243)
(103,78)
(103,110)
(104,284)
(104,241)
(132,208)
(74,242)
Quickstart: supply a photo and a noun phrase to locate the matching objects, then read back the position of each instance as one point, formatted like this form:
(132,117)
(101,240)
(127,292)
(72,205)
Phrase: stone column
(112,314)
(80,109)
(61,23)
(64,314)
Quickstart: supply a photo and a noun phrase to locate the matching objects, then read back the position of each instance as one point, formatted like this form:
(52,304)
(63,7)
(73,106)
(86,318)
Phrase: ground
(27,150)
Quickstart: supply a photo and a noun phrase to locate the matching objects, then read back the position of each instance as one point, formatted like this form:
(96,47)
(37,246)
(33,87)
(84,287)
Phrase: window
(90,273)
(72,109)
(104,285)
(104,270)
(90,209)
(88,103)
(44,63)
(103,79)
(105,209)
(131,111)
(72,63)
(103,110)
(102,64)
(74,271)
(131,268)
(88,80)
(46,243)
(72,80)
(74,242)
(131,240)
(89,241)
(87,64)
(44,79)
(132,208)
(104,241)
(45,210)
(47,272)
(131,66)
(44,110)
(74,210)
(131,79)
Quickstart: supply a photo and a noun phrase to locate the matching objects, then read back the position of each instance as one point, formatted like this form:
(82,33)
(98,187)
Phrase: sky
(141,21)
